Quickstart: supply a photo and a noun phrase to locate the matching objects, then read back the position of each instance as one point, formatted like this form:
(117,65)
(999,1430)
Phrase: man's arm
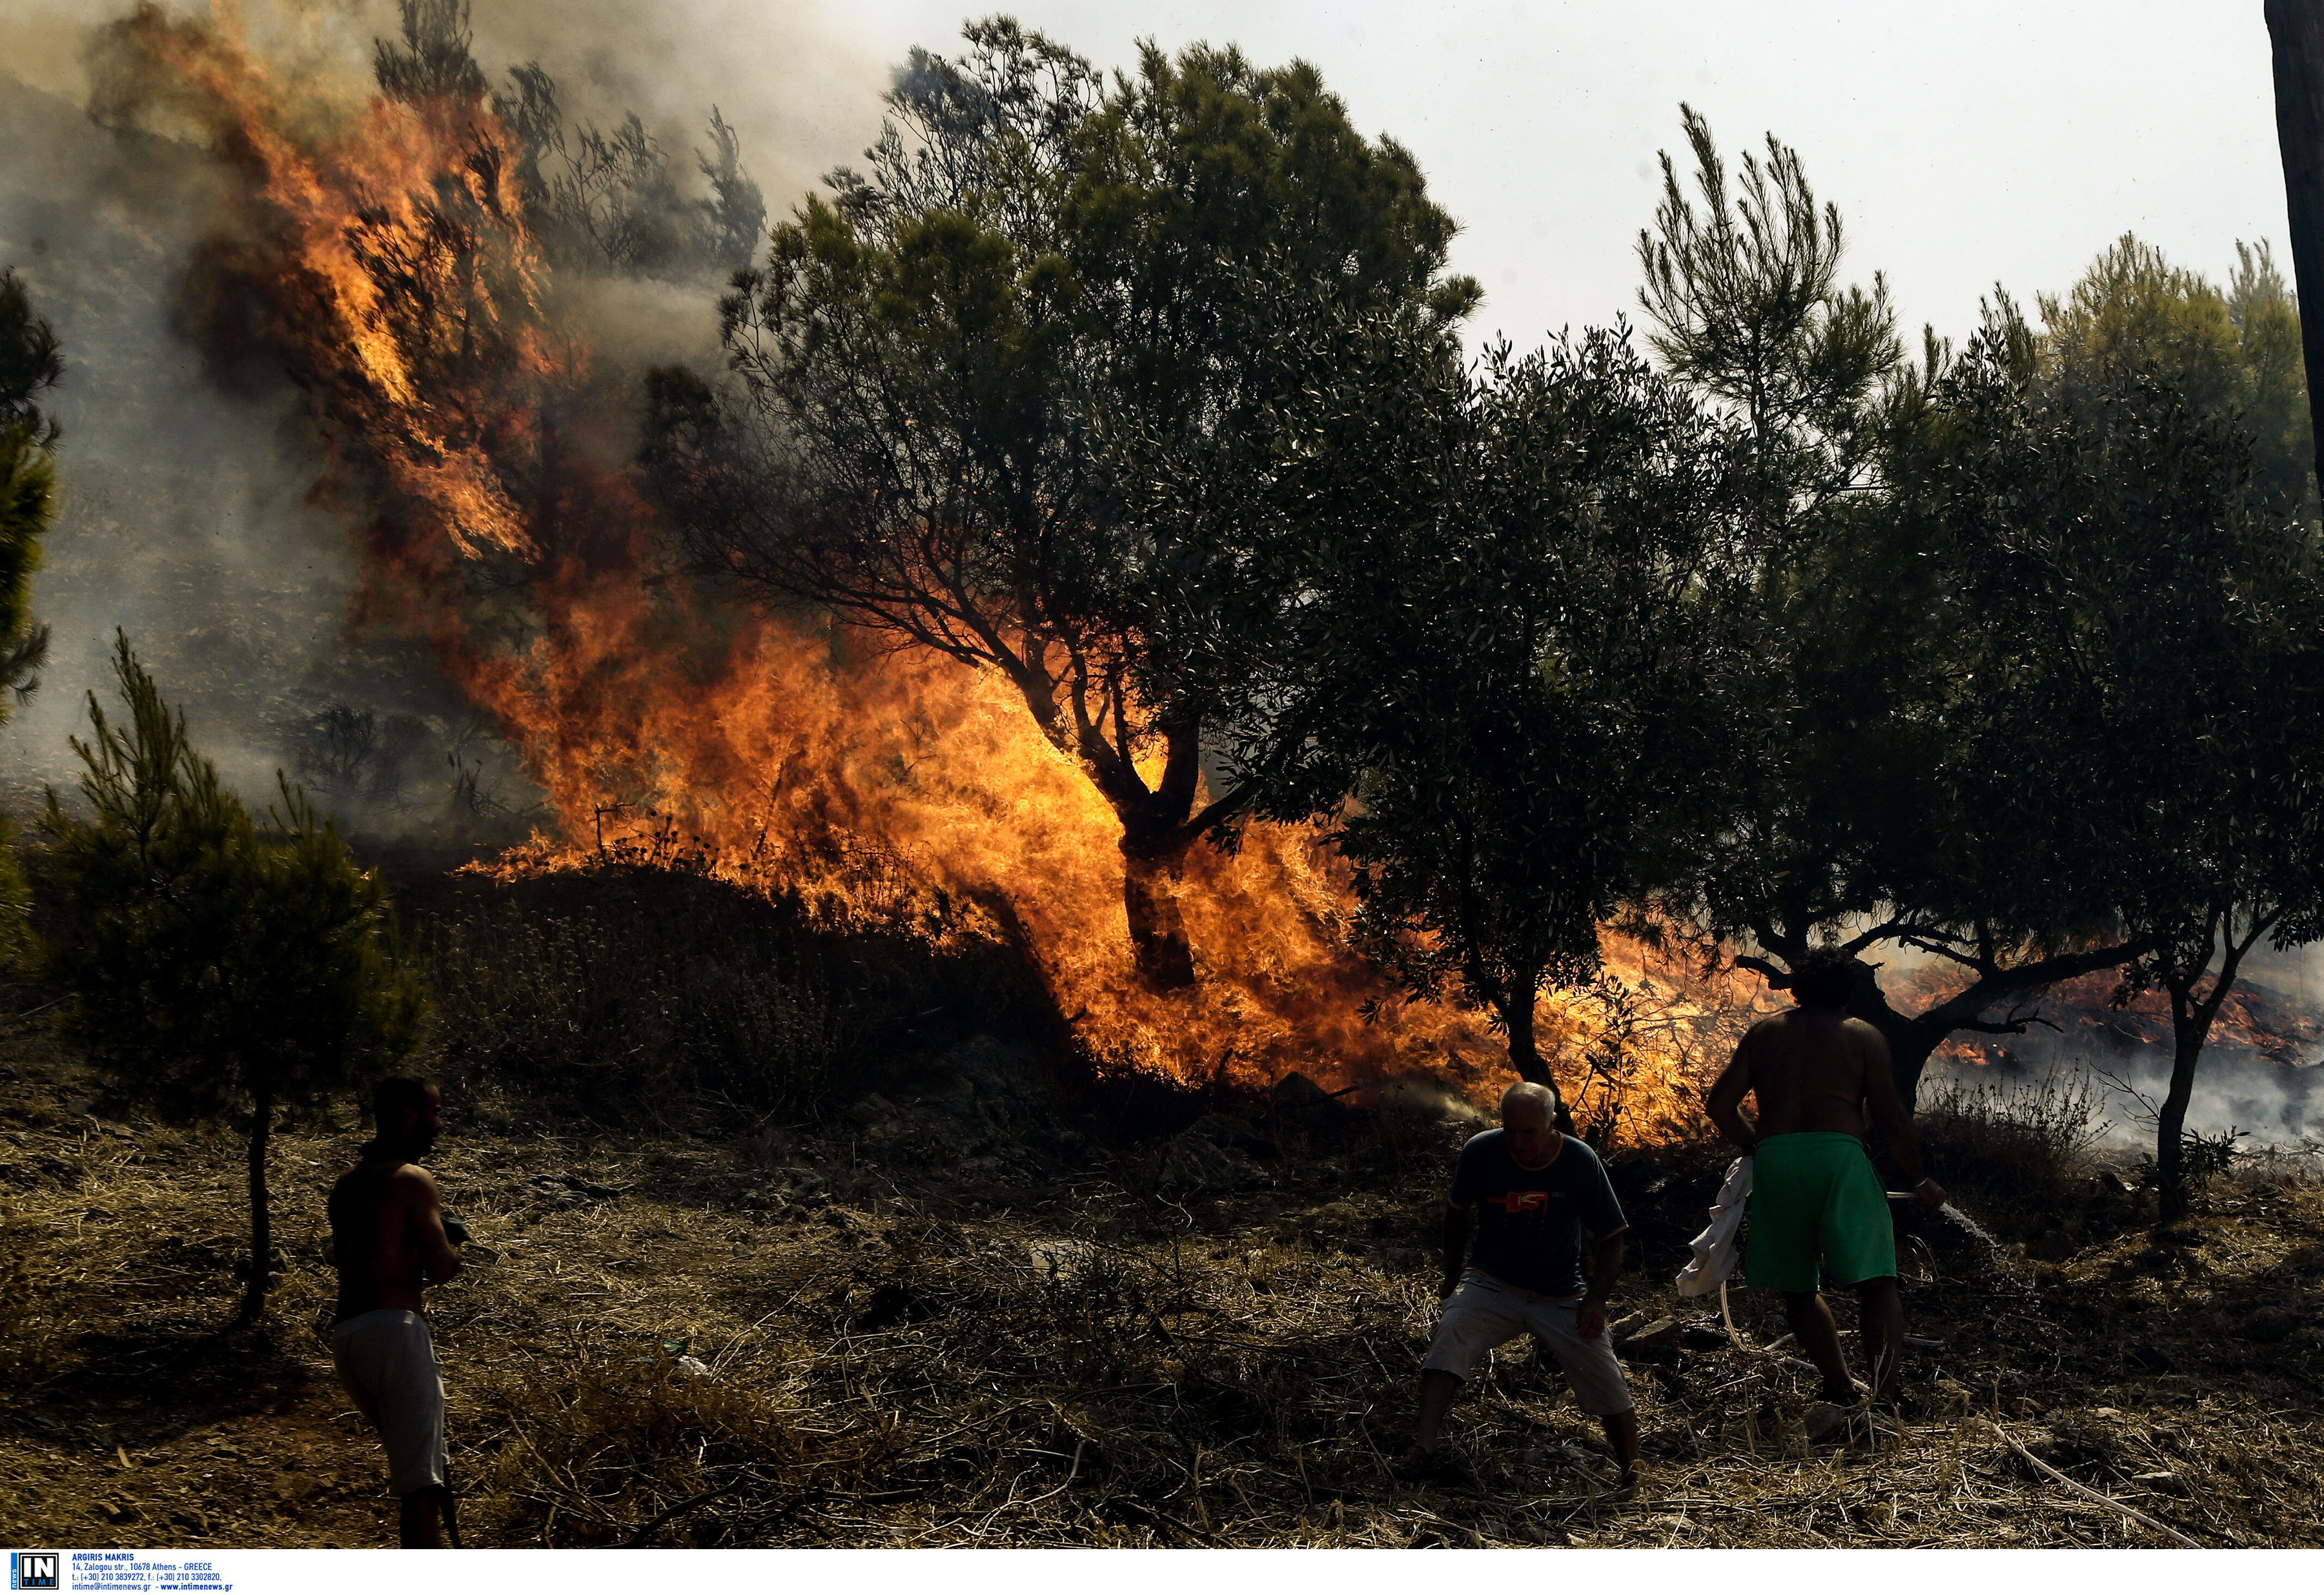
(1593,1321)
(1456,1246)
(1885,1111)
(1726,1103)
(417,1189)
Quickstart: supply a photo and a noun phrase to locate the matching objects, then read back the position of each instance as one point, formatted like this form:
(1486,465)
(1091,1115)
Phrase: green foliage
(2142,619)
(1837,802)
(1745,297)
(2141,613)
(27,505)
(2275,413)
(938,339)
(214,963)
(1203,168)
(2205,1157)
(218,966)
(2236,357)
(1921,770)
(31,362)
(1747,294)
(1489,619)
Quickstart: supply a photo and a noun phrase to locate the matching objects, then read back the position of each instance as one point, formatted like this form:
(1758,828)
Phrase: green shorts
(1815,1194)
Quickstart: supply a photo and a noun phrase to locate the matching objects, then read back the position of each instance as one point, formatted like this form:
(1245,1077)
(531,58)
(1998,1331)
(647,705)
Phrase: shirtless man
(1819,1076)
(387,1232)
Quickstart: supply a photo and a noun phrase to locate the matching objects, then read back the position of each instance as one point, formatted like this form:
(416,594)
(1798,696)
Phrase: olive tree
(1488,616)
(927,351)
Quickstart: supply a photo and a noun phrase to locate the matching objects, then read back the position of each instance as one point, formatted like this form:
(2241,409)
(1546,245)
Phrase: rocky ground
(960,1312)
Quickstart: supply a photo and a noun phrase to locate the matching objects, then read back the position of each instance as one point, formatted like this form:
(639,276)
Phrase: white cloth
(1715,1251)
(388,1365)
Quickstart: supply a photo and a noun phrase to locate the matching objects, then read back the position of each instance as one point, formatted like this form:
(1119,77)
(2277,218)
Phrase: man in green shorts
(1819,1078)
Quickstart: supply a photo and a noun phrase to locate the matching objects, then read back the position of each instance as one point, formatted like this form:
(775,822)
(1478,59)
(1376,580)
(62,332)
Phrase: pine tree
(218,966)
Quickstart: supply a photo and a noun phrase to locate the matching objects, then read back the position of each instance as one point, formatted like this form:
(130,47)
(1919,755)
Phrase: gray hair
(1525,1090)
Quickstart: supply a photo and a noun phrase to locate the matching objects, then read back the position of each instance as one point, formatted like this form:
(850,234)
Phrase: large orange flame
(384,247)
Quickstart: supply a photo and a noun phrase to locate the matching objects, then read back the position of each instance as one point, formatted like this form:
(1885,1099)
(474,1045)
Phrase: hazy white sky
(1964,142)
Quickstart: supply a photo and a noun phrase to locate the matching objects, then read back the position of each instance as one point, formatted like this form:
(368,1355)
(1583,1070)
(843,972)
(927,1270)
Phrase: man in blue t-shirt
(1534,1192)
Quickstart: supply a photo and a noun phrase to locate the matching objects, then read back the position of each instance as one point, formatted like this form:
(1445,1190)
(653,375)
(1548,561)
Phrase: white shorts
(1485,1311)
(388,1364)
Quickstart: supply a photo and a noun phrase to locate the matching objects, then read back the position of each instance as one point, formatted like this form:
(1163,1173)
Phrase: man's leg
(1437,1389)
(1476,1318)
(1811,1320)
(1880,1314)
(1622,1433)
(412,1424)
(422,1519)
(1595,1375)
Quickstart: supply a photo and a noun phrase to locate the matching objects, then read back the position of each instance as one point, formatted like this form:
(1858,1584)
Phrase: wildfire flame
(379,248)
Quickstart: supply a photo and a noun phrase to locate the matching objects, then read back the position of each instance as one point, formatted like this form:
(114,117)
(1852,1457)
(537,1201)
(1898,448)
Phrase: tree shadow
(146,1387)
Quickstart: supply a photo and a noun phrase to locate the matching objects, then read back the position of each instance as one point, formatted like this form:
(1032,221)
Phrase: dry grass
(1083,1362)
(1091,1366)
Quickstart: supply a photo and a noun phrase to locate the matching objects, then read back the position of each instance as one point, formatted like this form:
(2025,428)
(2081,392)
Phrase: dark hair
(1827,978)
(391,1097)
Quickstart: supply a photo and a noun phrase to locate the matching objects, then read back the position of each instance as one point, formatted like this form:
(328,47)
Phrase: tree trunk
(1910,1047)
(262,1230)
(1157,934)
(2190,1026)
(1911,1039)
(1158,826)
(2296,29)
(1518,1009)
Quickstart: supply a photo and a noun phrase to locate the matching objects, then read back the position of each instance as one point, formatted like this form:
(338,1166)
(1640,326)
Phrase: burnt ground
(902,1344)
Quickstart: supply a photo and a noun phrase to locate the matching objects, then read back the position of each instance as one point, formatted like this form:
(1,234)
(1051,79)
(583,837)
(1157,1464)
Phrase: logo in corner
(33,1570)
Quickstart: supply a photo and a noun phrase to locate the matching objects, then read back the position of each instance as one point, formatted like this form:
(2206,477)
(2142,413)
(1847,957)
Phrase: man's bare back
(1812,1069)
(1816,1070)
(387,1231)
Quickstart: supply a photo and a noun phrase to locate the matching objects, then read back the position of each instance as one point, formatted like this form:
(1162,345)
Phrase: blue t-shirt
(1529,1220)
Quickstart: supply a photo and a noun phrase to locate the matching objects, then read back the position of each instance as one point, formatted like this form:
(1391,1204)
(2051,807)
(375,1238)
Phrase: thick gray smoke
(184,517)
(2260,1080)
